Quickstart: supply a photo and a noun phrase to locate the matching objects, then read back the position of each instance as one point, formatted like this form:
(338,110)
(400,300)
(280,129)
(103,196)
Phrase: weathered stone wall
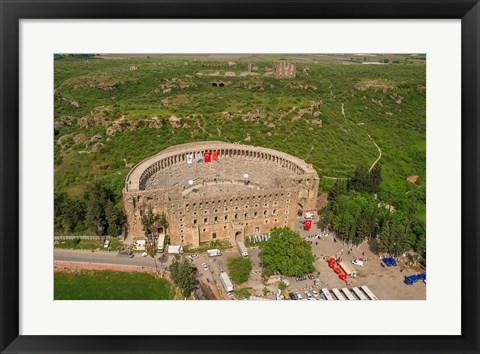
(219,205)
(284,69)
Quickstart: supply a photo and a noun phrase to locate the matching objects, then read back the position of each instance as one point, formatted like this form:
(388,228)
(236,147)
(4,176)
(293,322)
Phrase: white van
(309,216)
(358,262)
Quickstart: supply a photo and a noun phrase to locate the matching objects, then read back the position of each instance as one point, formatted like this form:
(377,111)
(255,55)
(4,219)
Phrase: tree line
(96,212)
(355,213)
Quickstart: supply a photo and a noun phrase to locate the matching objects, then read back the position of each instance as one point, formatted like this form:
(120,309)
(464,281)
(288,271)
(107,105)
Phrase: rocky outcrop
(64,121)
(174,121)
(253,116)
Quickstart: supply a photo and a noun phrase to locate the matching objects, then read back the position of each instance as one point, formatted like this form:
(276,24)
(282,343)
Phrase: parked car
(293,296)
(205,266)
(358,262)
(299,296)
(144,254)
(106,244)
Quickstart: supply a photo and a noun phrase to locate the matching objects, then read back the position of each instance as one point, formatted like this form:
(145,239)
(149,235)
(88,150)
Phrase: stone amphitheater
(246,190)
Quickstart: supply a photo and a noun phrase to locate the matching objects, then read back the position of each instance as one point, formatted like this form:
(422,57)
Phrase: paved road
(100,257)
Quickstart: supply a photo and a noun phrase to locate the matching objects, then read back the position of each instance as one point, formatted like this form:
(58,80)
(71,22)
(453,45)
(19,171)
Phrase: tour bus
(368,292)
(337,294)
(325,294)
(161,243)
(359,294)
(348,294)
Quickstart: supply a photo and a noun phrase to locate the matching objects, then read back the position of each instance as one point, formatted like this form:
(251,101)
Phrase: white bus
(325,294)
(161,243)
(348,294)
(368,292)
(337,294)
(359,294)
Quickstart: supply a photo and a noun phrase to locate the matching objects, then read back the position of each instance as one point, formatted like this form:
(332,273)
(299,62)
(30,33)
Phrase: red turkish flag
(308,224)
(206,156)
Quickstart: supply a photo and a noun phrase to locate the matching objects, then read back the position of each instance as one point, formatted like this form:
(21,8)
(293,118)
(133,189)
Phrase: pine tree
(97,199)
(360,180)
(338,189)
(364,226)
(375,178)
(115,219)
(325,216)
(384,239)
(344,228)
(399,240)
(352,235)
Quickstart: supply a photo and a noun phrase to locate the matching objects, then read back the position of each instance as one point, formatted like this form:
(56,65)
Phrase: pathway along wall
(220,205)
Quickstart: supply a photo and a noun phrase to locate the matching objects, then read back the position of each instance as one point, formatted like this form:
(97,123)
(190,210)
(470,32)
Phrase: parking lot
(385,282)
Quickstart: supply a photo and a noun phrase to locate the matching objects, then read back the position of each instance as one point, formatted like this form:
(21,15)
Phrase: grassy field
(111,285)
(359,105)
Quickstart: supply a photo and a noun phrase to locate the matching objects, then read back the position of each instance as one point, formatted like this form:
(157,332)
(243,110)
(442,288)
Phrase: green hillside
(331,114)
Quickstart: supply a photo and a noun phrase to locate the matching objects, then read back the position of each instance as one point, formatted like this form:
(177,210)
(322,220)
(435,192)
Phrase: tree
(239,269)
(364,226)
(152,252)
(286,253)
(384,238)
(115,219)
(69,214)
(148,220)
(359,180)
(375,178)
(182,276)
(352,236)
(162,220)
(325,216)
(338,189)
(282,285)
(399,239)
(97,199)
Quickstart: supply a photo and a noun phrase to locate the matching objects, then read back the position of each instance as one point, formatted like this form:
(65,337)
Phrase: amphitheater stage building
(218,191)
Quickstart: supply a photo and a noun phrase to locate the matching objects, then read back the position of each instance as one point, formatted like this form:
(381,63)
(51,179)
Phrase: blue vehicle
(414,278)
(390,261)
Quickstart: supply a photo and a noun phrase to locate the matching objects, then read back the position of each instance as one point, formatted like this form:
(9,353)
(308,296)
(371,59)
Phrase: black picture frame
(13,11)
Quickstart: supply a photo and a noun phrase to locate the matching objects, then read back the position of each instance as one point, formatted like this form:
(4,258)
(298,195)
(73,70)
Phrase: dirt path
(287,113)
(343,109)
(379,154)
(331,177)
(331,92)
(306,157)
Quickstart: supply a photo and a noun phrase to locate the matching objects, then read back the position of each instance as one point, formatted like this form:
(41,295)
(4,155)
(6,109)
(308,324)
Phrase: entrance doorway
(239,236)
